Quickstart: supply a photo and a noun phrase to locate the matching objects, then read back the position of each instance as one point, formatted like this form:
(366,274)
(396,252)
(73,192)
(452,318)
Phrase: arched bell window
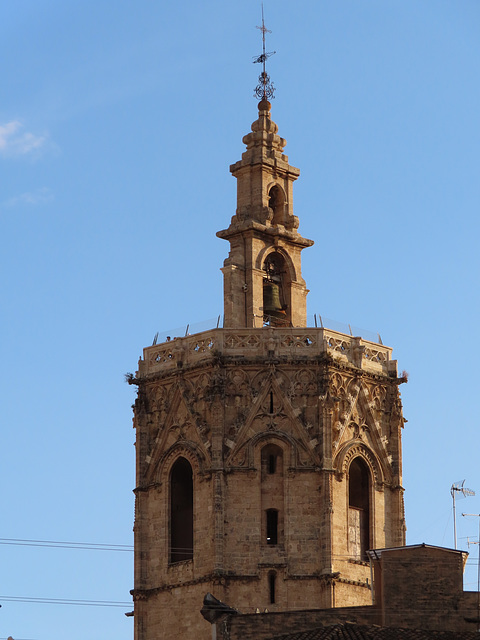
(181,511)
(275,308)
(358,509)
(276,202)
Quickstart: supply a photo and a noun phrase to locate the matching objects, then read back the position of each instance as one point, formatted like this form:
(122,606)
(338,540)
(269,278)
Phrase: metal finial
(264,89)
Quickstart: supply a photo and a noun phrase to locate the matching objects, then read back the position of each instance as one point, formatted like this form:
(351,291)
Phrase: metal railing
(313,320)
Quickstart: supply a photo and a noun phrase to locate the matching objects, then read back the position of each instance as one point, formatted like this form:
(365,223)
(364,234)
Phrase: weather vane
(264,89)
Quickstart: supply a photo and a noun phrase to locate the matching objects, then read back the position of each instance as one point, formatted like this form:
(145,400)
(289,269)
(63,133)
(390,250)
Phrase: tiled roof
(350,631)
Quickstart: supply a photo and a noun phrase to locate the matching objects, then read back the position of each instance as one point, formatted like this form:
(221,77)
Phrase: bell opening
(276,202)
(274,306)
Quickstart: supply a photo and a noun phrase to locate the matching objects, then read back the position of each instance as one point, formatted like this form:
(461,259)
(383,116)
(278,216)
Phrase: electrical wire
(66,601)
(65,545)
(86,546)
(126,547)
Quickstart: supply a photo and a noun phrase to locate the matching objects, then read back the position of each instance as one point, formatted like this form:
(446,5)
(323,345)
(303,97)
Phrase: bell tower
(263,284)
(268,453)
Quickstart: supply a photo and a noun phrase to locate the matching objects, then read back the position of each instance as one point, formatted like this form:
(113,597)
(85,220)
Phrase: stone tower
(262,276)
(268,453)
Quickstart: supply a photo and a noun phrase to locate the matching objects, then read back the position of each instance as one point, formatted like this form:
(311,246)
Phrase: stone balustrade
(267,342)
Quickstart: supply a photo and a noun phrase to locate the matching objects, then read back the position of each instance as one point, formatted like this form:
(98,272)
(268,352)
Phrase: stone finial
(264,105)
(264,131)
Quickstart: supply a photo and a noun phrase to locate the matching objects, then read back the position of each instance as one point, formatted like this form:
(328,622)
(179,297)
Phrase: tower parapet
(268,342)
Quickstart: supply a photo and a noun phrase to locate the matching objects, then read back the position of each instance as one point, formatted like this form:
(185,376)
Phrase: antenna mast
(457,487)
(264,89)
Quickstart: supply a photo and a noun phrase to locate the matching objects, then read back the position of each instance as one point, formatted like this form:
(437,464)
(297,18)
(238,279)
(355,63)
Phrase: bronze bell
(272,306)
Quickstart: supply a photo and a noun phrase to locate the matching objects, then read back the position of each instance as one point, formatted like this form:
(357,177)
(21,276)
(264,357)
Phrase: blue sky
(118,122)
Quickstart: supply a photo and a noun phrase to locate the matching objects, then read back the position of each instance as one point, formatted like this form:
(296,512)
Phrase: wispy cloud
(16,141)
(37,197)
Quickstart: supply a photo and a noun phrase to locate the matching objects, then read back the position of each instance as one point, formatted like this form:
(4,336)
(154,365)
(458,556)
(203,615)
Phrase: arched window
(274,305)
(358,509)
(181,511)
(276,202)
(272,460)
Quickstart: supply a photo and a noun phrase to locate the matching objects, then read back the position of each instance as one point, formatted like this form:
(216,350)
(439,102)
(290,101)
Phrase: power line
(92,546)
(66,601)
(98,546)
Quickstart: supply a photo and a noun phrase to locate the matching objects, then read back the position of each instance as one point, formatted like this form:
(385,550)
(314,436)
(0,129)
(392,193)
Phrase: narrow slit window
(272,463)
(271,401)
(272,526)
(181,511)
(272,578)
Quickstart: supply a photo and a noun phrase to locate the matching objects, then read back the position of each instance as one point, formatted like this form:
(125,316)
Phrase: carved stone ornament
(358,449)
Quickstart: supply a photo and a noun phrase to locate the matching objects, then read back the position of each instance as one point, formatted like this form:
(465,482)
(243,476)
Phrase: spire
(263,285)
(262,167)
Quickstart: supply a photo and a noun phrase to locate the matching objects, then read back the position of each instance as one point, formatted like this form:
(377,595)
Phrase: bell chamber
(274,307)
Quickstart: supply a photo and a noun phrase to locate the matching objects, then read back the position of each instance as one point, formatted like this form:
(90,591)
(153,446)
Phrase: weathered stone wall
(173,613)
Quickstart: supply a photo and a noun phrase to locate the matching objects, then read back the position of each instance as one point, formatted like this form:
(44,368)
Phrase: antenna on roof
(457,487)
(265,89)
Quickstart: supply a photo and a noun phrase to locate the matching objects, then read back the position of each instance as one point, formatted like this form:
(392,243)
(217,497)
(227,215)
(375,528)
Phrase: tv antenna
(457,487)
(264,89)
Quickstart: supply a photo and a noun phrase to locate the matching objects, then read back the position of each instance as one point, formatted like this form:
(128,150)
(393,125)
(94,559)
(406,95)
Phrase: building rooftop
(350,631)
